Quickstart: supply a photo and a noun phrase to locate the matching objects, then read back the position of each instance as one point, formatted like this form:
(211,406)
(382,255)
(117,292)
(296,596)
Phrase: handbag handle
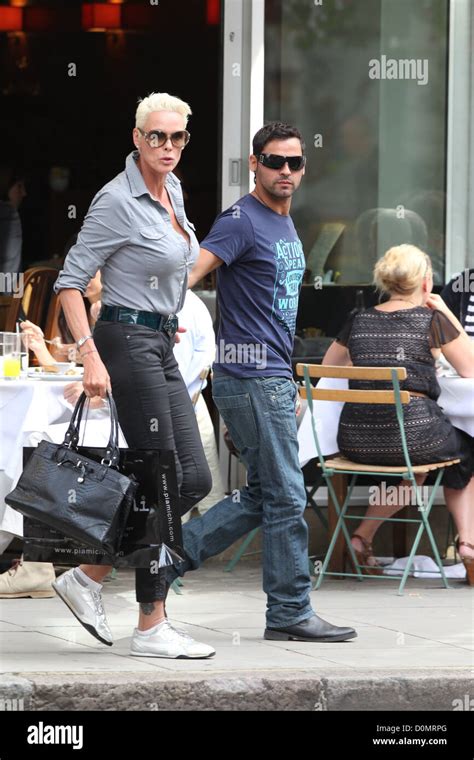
(72,433)
(112,451)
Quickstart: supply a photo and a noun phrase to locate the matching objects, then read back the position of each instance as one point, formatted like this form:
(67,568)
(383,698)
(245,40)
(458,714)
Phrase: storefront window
(366,82)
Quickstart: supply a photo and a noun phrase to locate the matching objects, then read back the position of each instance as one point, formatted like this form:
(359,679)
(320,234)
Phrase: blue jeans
(260,416)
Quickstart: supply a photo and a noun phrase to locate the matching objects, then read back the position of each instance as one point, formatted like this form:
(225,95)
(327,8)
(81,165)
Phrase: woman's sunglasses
(156,138)
(275,161)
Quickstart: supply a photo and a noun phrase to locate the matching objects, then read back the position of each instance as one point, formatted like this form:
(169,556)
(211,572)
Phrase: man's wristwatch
(81,341)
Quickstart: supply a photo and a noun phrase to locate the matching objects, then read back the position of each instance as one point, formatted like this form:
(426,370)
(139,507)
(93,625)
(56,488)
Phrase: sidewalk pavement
(413,652)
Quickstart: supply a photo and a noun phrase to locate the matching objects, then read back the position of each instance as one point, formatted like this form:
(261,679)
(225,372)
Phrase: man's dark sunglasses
(275,161)
(156,138)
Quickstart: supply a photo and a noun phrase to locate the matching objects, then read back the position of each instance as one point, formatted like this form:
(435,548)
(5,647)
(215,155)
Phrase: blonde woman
(137,233)
(410,329)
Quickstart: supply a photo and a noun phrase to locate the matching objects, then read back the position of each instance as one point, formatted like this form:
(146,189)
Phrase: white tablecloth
(31,410)
(26,406)
(456,399)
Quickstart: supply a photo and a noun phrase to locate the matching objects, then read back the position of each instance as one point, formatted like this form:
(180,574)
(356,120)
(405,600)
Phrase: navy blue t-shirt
(257,287)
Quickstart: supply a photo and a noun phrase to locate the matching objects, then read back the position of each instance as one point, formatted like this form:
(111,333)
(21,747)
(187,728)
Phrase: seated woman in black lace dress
(411,329)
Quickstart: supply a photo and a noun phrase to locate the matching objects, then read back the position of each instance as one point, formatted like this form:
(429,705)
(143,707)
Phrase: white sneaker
(166,641)
(85,604)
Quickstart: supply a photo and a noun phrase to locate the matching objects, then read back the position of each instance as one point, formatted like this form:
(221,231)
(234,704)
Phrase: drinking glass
(11,356)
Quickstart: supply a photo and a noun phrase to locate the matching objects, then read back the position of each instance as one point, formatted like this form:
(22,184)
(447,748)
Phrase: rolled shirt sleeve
(106,228)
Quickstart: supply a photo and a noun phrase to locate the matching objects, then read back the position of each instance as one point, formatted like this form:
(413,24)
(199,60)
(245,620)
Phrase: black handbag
(84,499)
(152,536)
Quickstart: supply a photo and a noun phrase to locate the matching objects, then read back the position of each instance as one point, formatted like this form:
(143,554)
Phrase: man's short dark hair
(275,130)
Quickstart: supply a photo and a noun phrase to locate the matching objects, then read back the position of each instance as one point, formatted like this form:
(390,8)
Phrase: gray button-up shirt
(143,261)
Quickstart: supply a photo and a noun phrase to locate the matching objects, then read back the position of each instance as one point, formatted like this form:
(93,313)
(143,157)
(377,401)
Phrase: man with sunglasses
(260,265)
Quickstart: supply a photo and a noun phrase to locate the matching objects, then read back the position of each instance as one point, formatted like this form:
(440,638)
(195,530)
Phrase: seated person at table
(409,330)
(62,351)
(458,296)
(34,578)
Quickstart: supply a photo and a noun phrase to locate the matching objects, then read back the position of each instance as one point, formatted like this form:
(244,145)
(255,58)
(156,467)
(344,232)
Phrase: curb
(241,691)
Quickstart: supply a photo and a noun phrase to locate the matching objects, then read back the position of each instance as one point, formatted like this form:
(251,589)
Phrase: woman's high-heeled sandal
(468,562)
(364,556)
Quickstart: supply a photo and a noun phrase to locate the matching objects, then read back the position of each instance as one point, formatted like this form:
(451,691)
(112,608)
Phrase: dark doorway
(68,97)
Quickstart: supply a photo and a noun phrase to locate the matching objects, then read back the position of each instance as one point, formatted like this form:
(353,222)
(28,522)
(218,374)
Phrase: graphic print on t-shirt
(290,266)
(257,289)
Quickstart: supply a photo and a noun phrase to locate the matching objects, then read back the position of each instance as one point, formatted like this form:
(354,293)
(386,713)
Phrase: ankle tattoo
(147,608)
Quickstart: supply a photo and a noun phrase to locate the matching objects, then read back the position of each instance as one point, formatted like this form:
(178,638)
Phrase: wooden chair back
(34,303)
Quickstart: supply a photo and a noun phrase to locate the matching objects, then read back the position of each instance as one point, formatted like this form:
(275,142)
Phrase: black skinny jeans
(154,412)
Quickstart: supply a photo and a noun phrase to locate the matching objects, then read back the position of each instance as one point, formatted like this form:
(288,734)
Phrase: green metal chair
(242,551)
(311,488)
(177,585)
(341,465)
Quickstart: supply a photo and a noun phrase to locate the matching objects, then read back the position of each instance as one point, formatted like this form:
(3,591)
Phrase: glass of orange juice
(11,356)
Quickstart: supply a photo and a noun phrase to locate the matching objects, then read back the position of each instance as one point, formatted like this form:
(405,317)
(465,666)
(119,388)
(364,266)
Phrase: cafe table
(32,408)
(26,405)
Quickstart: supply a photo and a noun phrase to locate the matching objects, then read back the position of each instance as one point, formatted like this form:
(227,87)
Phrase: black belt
(151,319)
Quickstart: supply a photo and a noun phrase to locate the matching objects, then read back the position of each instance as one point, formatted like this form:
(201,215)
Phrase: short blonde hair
(401,270)
(160,101)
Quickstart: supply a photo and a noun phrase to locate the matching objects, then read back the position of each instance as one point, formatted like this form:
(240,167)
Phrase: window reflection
(376,146)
